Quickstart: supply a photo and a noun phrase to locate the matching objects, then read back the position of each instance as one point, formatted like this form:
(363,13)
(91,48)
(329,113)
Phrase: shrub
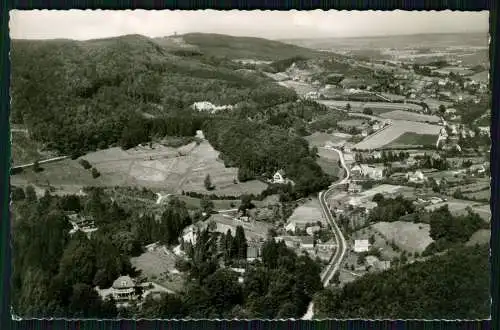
(95,173)
(85,164)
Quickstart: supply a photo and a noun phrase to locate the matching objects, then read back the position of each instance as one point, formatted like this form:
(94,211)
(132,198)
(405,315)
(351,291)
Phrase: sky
(88,24)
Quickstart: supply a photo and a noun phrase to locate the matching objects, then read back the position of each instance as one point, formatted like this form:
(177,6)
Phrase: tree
(30,194)
(442,109)
(207,205)
(208,183)
(368,111)
(17,194)
(240,243)
(36,167)
(246,203)
(85,164)
(348,107)
(95,173)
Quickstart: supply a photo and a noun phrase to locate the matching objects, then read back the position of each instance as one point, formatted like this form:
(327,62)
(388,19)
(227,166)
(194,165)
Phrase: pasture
(408,236)
(409,139)
(411,116)
(319,139)
(390,133)
(159,168)
(309,212)
(328,161)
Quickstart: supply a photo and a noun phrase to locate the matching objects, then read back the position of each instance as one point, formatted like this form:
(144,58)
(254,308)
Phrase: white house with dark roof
(279,177)
(361,245)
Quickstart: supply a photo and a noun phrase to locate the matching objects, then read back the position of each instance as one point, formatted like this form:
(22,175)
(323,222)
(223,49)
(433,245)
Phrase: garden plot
(309,212)
(408,236)
(411,116)
(159,266)
(394,131)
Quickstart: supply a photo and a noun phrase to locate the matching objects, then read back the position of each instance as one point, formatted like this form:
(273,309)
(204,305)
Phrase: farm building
(416,177)
(361,245)
(360,171)
(279,177)
(354,188)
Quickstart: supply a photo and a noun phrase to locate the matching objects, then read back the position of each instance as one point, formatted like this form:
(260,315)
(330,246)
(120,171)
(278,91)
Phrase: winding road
(340,252)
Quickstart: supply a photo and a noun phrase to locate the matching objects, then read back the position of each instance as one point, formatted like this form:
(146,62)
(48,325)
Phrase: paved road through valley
(340,252)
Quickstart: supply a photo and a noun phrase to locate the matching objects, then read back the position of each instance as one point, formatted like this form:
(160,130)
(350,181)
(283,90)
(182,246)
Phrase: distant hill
(242,47)
(438,40)
(79,95)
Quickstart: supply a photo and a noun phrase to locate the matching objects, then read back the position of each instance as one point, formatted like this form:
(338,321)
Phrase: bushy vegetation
(417,291)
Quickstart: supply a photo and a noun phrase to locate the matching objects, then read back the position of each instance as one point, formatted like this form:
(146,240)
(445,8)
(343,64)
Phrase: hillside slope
(79,95)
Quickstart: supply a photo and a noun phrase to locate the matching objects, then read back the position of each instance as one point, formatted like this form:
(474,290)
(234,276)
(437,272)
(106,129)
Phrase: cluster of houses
(81,223)
(206,106)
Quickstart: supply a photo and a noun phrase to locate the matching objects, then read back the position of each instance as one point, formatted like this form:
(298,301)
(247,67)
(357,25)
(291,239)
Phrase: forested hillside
(79,95)
(451,286)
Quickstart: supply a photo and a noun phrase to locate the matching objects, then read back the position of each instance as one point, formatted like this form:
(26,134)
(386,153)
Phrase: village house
(484,130)
(354,188)
(361,245)
(450,111)
(313,96)
(361,171)
(312,229)
(416,177)
(123,288)
(477,169)
(279,177)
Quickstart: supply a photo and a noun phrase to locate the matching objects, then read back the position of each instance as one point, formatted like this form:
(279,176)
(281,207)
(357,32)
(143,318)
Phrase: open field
(413,139)
(458,207)
(319,139)
(409,236)
(328,161)
(481,236)
(351,122)
(309,212)
(411,116)
(483,194)
(300,88)
(157,266)
(163,169)
(391,133)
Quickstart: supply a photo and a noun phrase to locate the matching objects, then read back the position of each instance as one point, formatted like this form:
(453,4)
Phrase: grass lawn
(410,138)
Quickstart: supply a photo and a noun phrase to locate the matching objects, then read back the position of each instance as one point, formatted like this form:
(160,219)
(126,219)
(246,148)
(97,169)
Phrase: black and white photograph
(250,164)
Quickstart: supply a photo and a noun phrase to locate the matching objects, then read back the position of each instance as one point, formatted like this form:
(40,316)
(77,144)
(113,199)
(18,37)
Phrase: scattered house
(279,177)
(306,242)
(361,171)
(368,206)
(477,169)
(326,246)
(377,126)
(291,226)
(209,107)
(354,188)
(313,96)
(416,177)
(151,247)
(361,245)
(435,200)
(189,234)
(313,229)
(124,289)
(450,111)
(411,161)
(364,133)
(484,130)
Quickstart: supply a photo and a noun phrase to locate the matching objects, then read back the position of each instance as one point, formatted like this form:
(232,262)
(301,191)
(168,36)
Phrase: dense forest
(259,149)
(442,287)
(79,96)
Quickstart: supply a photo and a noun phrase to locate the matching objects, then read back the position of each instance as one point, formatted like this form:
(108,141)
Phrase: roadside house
(279,177)
(361,245)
